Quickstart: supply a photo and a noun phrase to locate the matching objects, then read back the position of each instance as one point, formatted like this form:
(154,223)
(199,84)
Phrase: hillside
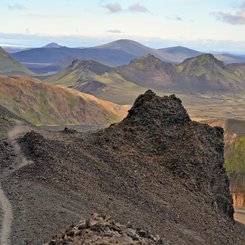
(156,169)
(8,65)
(44,104)
(234,156)
(150,72)
(230,58)
(205,73)
(238,69)
(134,48)
(97,79)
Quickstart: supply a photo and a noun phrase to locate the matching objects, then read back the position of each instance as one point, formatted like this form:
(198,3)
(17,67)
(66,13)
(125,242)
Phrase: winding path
(20,161)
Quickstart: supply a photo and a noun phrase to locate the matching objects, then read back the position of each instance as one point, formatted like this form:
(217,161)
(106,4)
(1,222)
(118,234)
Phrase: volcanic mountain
(44,104)
(156,169)
(53,45)
(205,73)
(8,65)
(102,81)
(202,74)
(150,72)
(129,46)
(179,54)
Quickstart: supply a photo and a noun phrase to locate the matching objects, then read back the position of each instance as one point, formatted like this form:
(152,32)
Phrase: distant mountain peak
(129,46)
(89,65)
(53,45)
(205,59)
(146,59)
(149,61)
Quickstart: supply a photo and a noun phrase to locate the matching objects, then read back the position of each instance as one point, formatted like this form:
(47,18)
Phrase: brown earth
(45,104)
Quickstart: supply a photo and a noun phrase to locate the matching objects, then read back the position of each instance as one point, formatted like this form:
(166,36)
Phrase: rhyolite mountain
(206,73)
(202,74)
(45,104)
(234,156)
(150,72)
(97,79)
(8,65)
(156,169)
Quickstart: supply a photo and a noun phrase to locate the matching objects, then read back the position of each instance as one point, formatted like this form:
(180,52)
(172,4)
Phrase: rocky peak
(89,65)
(205,60)
(147,60)
(154,109)
(53,45)
(161,128)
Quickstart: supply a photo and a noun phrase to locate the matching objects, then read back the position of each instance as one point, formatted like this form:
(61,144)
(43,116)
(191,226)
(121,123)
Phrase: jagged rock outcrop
(101,229)
(160,127)
(156,169)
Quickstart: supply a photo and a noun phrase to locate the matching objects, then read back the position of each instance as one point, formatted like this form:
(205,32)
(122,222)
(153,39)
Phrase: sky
(205,25)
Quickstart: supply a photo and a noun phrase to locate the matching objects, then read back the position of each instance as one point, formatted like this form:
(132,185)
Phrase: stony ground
(156,169)
(101,229)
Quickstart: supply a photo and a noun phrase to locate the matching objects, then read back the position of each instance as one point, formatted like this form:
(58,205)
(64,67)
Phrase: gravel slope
(156,169)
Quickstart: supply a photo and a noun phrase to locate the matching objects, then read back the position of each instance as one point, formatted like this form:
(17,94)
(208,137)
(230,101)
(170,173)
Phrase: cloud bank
(237,18)
(114,7)
(134,8)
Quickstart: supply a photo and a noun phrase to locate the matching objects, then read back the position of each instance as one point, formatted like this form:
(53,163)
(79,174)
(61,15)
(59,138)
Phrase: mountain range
(201,74)
(50,58)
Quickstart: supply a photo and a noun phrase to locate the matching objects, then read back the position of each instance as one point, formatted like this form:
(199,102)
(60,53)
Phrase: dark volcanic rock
(104,230)
(160,126)
(152,110)
(156,169)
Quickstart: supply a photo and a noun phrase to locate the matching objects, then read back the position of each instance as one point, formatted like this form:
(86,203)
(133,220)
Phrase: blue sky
(204,25)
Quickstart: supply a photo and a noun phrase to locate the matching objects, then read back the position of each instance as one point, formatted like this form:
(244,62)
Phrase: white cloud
(137,7)
(113,7)
(134,8)
(237,18)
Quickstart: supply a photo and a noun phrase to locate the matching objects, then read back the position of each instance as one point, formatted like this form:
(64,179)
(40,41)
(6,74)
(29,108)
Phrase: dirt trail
(20,161)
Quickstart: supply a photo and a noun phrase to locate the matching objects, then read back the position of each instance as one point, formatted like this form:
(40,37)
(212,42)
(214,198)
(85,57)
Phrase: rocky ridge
(156,169)
(160,127)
